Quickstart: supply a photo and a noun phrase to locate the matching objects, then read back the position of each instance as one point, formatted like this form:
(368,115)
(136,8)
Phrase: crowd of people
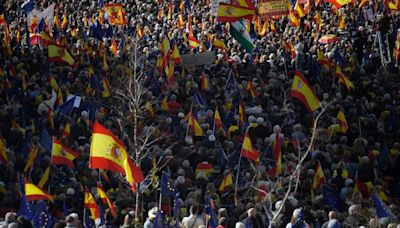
(357,165)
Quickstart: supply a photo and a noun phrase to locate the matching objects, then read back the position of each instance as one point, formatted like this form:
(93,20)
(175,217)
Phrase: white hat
(70,191)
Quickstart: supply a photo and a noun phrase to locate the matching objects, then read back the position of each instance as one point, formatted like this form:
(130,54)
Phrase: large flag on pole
(238,31)
(33,192)
(116,14)
(232,13)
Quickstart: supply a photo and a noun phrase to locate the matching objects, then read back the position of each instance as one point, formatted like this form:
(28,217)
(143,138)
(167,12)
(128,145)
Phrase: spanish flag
(277,154)
(204,167)
(33,24)
(250,88)
(170,10)
(175,55)
(323,60)
(62,155)
(180,21)
(193,42)
(342,22)
(302,90)
(33,192)
(170,71)
(60,99)
(232,13)
(67,131)
(45,177)
(217,120)
(194,125)
(343,79)
(31,158)
(318,21)
(246,3)
(394,6)
(339,3)
(116,14)
(204,83)
(219,44)
(299,9)
(57,22)
(342,122)
(319,177)
(2,20)
(365,188)
(114,47)
(57,54)
(90,203)
(103,196)
(248,151)
(294,19)
(106,150)
(226,182)
(133,173)
(3,151)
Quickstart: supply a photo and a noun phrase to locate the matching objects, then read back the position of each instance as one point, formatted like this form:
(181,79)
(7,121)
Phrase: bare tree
(129,102)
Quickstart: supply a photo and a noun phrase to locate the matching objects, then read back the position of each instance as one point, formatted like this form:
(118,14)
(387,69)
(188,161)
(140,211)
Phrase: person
(152,215)
(253,219)
(332,221)
(194,220)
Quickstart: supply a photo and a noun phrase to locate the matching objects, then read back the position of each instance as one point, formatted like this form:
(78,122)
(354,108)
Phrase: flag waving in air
(248,151)
(116,14)
(33,192)
(302,90)
(103,196)
(62,155)
(277,155)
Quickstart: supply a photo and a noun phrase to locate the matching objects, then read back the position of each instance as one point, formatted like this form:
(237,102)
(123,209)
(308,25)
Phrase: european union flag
(27,6)
(96,31)
(25,208)
(331,198)
(167,188)
(382,210)
(65,209)
(88,222)
(230,86)
(66,107)
(42,217)
(213,222)
(187,4)
(45,140)
(109,32)
(338,57)
(299,220)
(56,33)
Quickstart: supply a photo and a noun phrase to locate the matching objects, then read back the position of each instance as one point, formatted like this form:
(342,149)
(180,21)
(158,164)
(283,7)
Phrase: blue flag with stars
(382,210)
(25,208)
(167,188)
(42,217)
(331,198)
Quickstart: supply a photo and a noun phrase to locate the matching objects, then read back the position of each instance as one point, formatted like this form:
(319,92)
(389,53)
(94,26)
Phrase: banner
(116,14)
(198,59)
(270,8)
(47,13)
(214,4)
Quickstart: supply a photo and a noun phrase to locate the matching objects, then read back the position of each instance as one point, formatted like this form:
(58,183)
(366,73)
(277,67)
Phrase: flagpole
(237,178)
(84,215)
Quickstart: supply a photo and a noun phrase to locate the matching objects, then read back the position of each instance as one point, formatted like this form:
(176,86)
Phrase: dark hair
(194,209)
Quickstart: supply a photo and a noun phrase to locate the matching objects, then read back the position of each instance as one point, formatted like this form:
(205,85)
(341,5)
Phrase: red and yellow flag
(248,151)
(277,155)
(219,44)
(343,79)
(342,122)
(175,55)
(164,105)
(318,21)
(226,182)
(45,177)
(294,19)
(33,192)
(339,3)
(242,115)
(133,173)
(217,120)
(193,42)
(90,203)
(106,150)
(319,177)
(57,53)
(116,14)
(232,13)
(299,9)
(250,88)
(365,188)
(204,167)
(33,24)
(64,22)
(302,90)
(31,158)
(103,196)
(323,60)
(62,155)
(204,83)
(194,125)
